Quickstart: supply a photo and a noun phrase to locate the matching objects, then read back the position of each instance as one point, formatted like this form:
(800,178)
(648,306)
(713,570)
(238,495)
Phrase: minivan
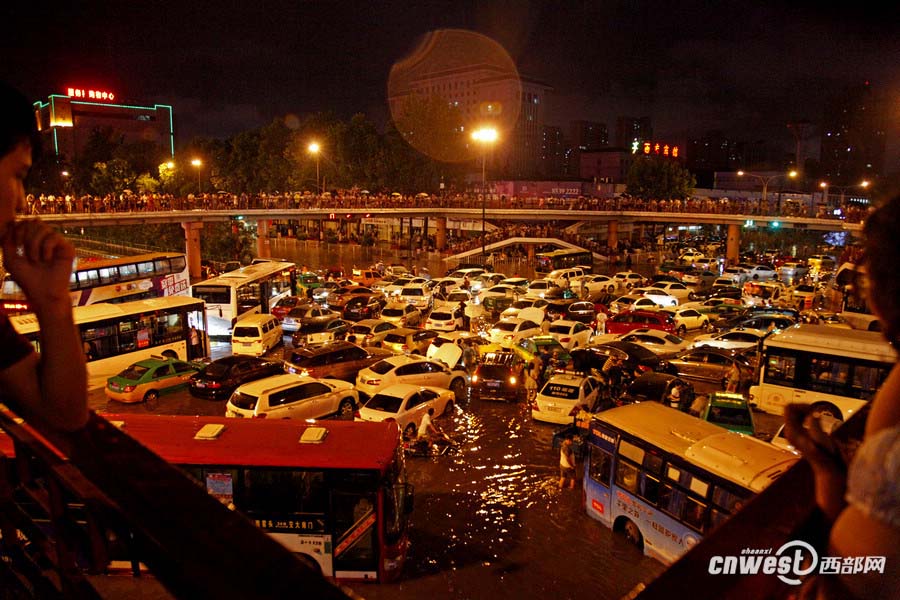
(255,335)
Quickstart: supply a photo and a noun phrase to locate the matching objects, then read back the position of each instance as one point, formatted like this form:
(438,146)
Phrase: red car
(639,319)
(285,305)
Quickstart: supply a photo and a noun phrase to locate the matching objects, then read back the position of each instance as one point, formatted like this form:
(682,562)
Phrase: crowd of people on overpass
(343,200)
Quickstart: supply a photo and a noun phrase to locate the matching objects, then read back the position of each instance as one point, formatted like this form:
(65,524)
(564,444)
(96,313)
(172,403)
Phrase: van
(255,335)
(562,277)
(366,277)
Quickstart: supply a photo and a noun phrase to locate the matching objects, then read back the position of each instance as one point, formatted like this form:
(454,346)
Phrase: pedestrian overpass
(526,241)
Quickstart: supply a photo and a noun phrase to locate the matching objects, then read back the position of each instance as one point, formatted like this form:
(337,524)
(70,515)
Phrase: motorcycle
(422,449)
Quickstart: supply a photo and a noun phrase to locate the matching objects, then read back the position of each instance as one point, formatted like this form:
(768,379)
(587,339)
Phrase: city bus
(120,279)
(835,370)
(115,336)
(249,290)
(334,492)
(546,262)
(665,479)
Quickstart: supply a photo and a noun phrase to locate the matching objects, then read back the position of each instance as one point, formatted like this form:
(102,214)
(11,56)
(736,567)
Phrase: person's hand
(805,432)
(39,259)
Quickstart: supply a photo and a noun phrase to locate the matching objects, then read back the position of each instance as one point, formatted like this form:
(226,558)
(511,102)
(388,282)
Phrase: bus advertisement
(249,290)
(122,279)
(115,336)
(836,370)
(547,262)
(665,479)
(333,492)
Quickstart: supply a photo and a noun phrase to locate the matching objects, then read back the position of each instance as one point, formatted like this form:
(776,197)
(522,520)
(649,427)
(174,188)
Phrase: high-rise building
(854,135)
(631,129)
(66,121)
(553,152)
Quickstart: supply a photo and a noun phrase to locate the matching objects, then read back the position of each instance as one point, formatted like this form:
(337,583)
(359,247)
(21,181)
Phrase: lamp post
(826,186)
(765,180)
(486,136)
(199,164)
(314,149)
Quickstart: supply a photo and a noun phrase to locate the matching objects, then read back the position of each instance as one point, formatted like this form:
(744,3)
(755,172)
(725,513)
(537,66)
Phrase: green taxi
(528,348)
(146,379)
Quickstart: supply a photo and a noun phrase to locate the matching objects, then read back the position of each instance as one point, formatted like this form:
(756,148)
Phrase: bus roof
(28,323)
(741,459)
(347,445)
(95,263)
(823,339)
(248,273)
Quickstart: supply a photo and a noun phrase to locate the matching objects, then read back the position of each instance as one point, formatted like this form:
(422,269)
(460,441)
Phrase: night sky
(746,68)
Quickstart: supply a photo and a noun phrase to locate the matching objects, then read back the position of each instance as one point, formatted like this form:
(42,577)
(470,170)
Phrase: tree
(657,178)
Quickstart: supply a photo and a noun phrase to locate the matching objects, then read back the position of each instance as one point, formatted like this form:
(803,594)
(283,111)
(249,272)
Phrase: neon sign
(656,148)
(88,94)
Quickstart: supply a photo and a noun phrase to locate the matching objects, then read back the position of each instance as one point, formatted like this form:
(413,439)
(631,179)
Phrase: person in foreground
(862,500)
(49,388)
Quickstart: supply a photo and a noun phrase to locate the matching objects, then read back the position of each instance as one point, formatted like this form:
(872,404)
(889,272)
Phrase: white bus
(117,335)
(122,279)
(246,291)
(665,479)
(835,370)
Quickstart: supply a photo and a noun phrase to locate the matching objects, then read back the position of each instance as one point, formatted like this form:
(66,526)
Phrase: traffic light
(774,224)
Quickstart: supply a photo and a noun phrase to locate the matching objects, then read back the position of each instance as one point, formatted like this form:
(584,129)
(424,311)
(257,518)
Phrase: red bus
(334,492)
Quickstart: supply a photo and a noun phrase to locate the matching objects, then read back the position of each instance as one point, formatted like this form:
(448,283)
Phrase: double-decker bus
(249,290)
(546,262)
(665,479)
(115,336)
(835,370)
(334,492)
(120,279)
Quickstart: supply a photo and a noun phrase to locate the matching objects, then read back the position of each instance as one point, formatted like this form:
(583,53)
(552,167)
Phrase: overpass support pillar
(440,233)
(612,235)
(733,244)
(262,238)
(192,248)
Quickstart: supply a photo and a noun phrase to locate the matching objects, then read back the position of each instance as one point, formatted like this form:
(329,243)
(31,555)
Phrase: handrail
(66,495)
(784,511)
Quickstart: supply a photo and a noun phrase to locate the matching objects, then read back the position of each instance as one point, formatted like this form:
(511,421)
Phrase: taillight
(129,388)
(356,414)
(369,336)
(512,380)
(260,416)
(565,340)
(404,347)
(214,384)
(373,382)
(475,378)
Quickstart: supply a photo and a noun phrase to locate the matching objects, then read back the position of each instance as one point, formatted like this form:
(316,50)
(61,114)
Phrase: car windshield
(493,372)
(240,332)
(412,292)
(561,391)
(501,326)
(392,312)
(245,401)
(441,316)
(564,329)
(134,372)
(726,415)
(384,403)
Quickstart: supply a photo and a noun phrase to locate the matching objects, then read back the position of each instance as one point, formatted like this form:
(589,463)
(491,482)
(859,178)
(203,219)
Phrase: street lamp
(766,179)
(314,149)
(198,163)
(486,136)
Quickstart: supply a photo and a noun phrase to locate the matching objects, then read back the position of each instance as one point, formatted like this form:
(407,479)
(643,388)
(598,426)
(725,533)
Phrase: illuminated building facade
(67,120)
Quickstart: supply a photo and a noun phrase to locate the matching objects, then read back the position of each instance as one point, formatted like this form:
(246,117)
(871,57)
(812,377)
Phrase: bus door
(598,473)
(265,291)
(355,529)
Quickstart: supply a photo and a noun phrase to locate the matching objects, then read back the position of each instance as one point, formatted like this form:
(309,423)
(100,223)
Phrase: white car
(418,295)
(562,395)
(659,297)
(395,287)
(486,280)
(632,302)
(449,318)
(655,340)
(804,295)
(595,284)
(734,339)
(672,288)
(690,256)
(520,305)
(687,319)
(401,314)
(791,271)
(455,297)
(570,334)
(762,273)
(292,396)
(406,404)
(500,291)
(737,275)
(416,370)
(515,281)
(507,332)
(626,280)
(371,332)
(538,288)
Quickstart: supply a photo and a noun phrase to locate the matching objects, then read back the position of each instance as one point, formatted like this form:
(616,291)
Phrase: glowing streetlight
(314,149)
(487,137)
(199,164)
(827,186)
(766,179)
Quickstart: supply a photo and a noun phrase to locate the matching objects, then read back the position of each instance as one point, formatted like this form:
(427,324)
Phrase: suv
(499,377)
(404,340)
(637,319)
(221,377)
(289,396)
(337,360)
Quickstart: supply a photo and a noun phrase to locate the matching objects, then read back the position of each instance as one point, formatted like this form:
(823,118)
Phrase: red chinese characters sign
(657,148)
(88,94)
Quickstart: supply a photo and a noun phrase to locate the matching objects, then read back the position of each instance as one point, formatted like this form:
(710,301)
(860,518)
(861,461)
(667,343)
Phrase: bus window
(626,476)
(601,466)
(127,272)
(867,380)
(88,278)
(694,513)
(272,491)
(213,294)
(780,369)
(649,488)
(145,268)
(109,275)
